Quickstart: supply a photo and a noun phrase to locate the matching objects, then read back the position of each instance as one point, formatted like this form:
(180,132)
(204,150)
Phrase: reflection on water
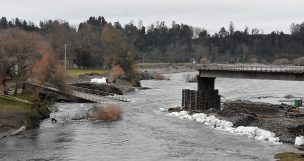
(144,133)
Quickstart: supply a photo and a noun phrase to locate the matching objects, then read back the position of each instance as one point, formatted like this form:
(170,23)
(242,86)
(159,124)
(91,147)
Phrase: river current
(145,133)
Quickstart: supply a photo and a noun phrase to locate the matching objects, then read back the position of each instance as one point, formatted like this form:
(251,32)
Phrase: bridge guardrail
(255,68)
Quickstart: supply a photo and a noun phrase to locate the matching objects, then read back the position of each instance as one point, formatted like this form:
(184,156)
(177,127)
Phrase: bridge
(207,96)
(80,94)
(293,73)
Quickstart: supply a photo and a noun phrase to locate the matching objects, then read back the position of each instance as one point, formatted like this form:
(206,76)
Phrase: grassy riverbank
(290,156)
(14,113)
(77,72)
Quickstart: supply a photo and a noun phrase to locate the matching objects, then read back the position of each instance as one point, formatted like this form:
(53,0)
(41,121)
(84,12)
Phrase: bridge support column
(205,83)
(204,98)
(207,96)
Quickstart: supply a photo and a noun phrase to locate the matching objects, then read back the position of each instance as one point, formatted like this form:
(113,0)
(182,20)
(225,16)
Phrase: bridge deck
(251,68)
(85,94)
(294,73)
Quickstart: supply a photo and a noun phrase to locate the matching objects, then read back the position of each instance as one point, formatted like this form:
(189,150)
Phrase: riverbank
(289,156)
(146,71)
(15,114)
(265,116)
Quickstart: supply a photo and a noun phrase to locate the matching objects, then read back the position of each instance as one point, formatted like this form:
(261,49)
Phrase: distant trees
(97,42)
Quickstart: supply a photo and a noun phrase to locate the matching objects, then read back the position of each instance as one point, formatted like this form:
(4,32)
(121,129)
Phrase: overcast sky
(268,15)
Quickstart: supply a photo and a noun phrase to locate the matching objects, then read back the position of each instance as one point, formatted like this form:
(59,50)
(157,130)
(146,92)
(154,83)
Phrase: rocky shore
(262,115)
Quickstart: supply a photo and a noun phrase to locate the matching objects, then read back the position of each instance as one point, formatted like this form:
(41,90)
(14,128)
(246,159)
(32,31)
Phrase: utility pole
(65,57)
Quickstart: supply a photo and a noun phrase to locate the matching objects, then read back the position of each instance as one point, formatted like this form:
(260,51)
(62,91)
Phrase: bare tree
(20,51)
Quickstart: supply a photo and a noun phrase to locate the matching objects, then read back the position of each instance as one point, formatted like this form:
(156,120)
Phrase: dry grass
(108,112)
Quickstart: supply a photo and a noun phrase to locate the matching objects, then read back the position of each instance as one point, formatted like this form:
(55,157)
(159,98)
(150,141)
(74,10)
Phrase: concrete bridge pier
(208,96)
(204,98)
(205,83)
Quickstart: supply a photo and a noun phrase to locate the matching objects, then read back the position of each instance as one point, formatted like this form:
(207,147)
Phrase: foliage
(204,61)
(283,61)
(108,112)
(117,72)
(298,61)
(97,42)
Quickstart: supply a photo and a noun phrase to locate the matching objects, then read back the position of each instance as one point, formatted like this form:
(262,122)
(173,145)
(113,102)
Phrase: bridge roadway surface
(293,73)
(84,93)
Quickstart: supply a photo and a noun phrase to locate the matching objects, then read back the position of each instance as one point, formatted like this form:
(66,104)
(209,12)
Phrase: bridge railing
(257,68)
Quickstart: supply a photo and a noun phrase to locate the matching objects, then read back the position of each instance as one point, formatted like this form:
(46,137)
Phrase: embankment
(262,115)
(265,116)
(14,114)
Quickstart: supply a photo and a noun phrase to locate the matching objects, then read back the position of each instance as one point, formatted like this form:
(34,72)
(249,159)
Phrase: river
(145,133)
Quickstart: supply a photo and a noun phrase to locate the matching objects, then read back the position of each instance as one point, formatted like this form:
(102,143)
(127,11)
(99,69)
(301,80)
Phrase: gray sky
(268,15)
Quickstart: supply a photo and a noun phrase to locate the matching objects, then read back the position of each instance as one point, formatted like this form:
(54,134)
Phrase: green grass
(77,72)
(12,105)
(29,98)
(15,114)
(289,156)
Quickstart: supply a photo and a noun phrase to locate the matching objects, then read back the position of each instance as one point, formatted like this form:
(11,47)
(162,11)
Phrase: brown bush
(159,77)
(117,72)
(59,79)
(204,61)
(281,61)
(298,61)
(253,60)
(108,112)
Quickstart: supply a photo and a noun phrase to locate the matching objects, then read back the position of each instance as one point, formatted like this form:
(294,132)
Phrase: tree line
(97,42)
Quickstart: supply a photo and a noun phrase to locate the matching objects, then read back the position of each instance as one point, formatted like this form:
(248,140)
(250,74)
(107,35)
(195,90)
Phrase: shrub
(204,61)
(108,112)
(253,60)
(298,61)
(117,72)
(281,61)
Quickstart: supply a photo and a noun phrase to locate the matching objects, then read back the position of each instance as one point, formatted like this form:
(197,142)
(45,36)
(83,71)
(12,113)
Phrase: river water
(145,133)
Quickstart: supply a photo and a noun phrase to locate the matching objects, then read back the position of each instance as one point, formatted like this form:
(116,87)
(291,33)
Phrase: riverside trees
(160,42)
(25,56)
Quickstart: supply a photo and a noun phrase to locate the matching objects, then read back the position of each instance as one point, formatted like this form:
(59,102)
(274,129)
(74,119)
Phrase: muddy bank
(263,115)
(14,114)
